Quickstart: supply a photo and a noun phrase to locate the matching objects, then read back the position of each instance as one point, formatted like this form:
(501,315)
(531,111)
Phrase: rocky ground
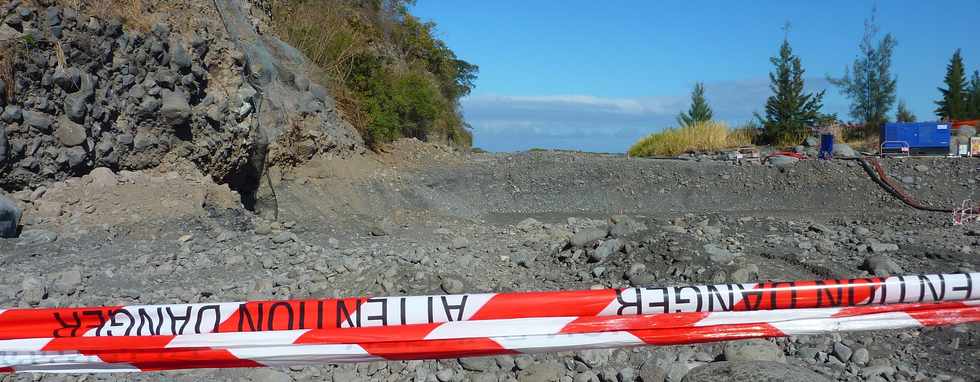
(420,219)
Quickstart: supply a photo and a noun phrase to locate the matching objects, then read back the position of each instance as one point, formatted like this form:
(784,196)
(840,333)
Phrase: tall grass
(696,137)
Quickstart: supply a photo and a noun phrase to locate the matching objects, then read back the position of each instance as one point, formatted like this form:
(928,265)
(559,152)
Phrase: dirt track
(449,222)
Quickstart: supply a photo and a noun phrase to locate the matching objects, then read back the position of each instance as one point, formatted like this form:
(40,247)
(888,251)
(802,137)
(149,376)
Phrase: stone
(718,254)
(272,375)
(70,133)
(843,352)
(283,238)
(921,168)
(860,356)
(32,290)
(76,105)
(452,286)
(48,209)
(12,114)
(67,282)
(587,235)
(782,161)
(746,274)
(460,243)
(68,79)
(883,247)
(882,266)
(74,156)
(529,224)
(9,218)
(756,371)
(651,372)
(843,150)
(149,106)
(37,236)
(103,177)
(606,249)
(179,57)
(40,121)
(175,109)
(478,363)
(545,371)
(623,225)
(594,358)
(754,350)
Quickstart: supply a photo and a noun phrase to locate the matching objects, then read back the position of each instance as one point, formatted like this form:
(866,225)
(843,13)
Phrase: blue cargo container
(919,138)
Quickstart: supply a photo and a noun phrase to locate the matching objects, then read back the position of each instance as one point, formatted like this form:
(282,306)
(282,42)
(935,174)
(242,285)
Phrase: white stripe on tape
(567,342)
(500,328)
(301,354)
(878,321)
(243,339)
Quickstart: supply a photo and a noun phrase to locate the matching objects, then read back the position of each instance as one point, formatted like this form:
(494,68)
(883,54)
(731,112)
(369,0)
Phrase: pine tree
(974,95)
(699,111)
(868,83)
(954,104)
(789,110)
(904,114)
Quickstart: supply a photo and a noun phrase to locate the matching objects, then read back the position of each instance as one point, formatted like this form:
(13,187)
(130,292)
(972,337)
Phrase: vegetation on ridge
(390,75)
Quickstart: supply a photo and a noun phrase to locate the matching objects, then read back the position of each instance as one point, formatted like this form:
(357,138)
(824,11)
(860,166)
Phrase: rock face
(752,372)
(9,218)
(218,96)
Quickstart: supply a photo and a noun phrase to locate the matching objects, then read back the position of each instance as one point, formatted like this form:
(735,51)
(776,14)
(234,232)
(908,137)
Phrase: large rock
(843,150)
(588,235)
(753,350)
(12,114)
(752,372)
(9,218)
(606,249)
(40,121)
(175,108)
(70,133)
(782,161)
(882,266)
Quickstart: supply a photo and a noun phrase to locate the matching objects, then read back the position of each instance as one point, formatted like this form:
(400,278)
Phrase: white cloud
(586,122)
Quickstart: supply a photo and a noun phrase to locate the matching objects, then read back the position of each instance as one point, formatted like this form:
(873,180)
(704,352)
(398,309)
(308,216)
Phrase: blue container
(919,137)
(826,146)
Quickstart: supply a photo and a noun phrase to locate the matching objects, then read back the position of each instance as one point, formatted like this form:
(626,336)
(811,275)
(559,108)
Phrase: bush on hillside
(390,76)
(696,137)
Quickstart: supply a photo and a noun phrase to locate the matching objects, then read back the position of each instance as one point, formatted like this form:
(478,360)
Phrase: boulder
(70,133)
(588,235)
(882,266)
(175,109)
(606,249)
(754,350)
(40,121)
(9,218)
(757,371)
(782,161)
(843,150)
(12,114)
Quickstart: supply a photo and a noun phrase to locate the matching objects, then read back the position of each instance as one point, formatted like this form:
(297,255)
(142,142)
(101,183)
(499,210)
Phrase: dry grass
(133,13)
(10,51)
(697,137)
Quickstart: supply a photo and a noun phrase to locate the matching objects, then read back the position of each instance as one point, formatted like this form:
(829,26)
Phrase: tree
(789,110)
(974,95)
(868,83)
(955,101)
(699,111)
(904,114)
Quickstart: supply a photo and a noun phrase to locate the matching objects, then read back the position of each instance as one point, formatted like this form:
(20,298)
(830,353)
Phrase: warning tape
(294,332)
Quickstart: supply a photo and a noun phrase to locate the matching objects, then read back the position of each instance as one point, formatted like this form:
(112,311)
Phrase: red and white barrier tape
(267,333)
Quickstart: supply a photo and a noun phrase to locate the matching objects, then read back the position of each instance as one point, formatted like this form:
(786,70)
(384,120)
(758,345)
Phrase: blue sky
(596,76)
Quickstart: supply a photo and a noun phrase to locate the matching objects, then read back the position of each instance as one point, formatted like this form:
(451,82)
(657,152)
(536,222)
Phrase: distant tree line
(868,83)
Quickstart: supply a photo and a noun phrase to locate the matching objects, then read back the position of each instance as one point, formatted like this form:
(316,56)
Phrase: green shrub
(390,76)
